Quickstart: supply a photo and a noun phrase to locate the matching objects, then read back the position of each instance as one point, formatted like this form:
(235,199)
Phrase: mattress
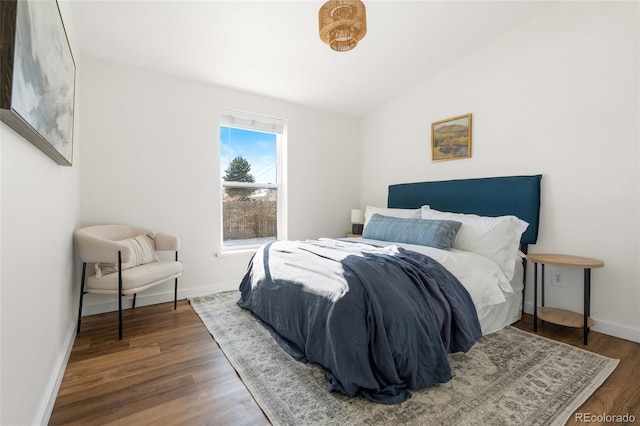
(495,317)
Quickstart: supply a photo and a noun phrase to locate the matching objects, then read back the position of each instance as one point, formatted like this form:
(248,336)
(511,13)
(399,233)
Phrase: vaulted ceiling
(272,48)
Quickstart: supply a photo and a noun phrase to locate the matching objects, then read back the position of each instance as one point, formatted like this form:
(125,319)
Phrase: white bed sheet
(498,301)
(496,317)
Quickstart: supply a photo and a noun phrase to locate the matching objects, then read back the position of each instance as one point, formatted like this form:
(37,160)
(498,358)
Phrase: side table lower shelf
(563,317)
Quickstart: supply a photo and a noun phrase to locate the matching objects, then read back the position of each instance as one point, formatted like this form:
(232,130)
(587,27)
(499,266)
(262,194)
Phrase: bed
(491,197)
(436,269)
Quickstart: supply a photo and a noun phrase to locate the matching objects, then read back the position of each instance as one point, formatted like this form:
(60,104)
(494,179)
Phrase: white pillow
(497,238)
(403,213)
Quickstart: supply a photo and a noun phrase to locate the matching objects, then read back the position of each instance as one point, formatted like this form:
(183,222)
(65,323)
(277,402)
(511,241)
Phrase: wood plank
(169,370)
(563,317)
(565,260)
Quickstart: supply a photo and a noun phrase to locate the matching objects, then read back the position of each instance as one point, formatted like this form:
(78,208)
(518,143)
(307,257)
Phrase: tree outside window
(251,176)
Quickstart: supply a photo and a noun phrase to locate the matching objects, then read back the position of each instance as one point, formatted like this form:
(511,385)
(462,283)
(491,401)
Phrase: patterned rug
(508,378)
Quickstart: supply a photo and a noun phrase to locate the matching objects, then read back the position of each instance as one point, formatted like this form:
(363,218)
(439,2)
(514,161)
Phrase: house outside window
(252,152)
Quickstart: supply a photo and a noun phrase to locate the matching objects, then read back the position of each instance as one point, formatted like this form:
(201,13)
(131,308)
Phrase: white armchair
(123,261)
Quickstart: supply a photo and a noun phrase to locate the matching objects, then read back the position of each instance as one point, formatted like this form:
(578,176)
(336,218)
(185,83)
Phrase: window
(252,179)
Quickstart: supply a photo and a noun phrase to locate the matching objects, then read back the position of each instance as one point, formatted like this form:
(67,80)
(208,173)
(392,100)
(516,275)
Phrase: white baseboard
(142,299)
(617,330)
(604,327)
(43,414)
(50,394)
(110,303)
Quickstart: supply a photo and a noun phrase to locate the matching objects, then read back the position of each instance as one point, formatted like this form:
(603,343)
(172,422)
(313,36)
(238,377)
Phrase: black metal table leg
(535,297)
(587,303)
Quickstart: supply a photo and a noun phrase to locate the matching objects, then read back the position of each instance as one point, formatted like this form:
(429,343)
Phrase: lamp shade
(343,23)
(357,216)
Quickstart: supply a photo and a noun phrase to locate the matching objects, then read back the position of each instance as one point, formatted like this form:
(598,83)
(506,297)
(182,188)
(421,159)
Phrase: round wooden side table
(562,316)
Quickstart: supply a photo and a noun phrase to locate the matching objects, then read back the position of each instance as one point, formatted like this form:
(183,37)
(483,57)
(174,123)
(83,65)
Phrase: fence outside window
(251,218)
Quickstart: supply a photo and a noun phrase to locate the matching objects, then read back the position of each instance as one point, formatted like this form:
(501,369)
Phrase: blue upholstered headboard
(497,196)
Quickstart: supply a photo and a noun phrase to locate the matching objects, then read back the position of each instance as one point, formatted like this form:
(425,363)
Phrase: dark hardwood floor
(167,369)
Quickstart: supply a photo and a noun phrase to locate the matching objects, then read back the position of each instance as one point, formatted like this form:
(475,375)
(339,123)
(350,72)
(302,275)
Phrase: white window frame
(264,124)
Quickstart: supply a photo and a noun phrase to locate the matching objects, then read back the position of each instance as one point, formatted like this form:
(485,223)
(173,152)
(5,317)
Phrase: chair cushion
(135,279)
(143,250)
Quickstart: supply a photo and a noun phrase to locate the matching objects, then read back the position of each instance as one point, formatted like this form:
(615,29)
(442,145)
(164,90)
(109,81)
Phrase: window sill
(241,251)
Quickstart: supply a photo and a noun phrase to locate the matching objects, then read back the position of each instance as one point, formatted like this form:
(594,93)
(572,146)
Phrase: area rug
(508,378)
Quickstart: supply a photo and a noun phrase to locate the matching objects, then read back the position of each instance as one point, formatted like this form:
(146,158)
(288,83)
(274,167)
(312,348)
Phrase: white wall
(151,158)
(559,96)
(39,203)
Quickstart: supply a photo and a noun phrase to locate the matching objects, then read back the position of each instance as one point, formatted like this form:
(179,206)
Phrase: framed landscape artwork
(37,76)
(451,138)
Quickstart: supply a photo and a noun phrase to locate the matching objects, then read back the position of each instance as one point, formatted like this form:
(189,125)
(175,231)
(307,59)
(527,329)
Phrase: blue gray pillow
(424,232)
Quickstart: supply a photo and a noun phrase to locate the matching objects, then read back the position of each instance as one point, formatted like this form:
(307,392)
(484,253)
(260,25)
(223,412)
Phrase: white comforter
(481,276)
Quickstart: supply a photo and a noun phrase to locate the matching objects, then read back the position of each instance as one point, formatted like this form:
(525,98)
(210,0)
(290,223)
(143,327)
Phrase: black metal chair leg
(175,296)
(175,292)
(134,300)
(119,295)
(84,270)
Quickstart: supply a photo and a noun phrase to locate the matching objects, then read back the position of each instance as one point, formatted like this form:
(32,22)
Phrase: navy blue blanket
(378,321)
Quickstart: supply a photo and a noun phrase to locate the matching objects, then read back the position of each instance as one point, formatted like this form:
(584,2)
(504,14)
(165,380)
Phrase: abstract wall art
(37,71)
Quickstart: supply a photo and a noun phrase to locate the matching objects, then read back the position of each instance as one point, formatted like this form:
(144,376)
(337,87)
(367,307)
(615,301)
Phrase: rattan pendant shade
(343,23)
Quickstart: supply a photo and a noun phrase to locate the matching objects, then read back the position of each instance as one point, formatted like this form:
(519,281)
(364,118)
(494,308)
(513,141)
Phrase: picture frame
(451,138)
(38,76)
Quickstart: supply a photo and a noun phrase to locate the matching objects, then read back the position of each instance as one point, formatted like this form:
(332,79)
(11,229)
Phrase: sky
(259,149)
